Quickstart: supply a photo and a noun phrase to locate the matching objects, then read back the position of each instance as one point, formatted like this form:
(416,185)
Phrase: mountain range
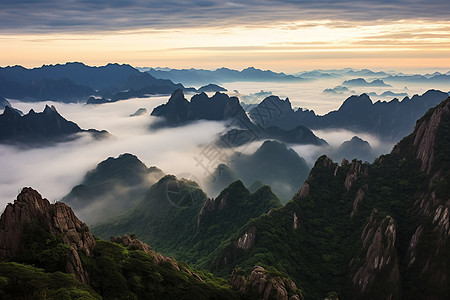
(75,82)
(221,75)
(388,120)
(353,231)
(39,128)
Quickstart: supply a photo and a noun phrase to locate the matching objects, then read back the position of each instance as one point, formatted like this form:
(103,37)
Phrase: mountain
(75,82)
(359,230)
(220,107)
(299,135)
(141,111)
(387,94)
(339,90)
(30,218)
(272,163)
(143,84)
(39,128)
(388,120)
(222,75)
(363,82)
(433,79)
(211,88)
(46,252)
(354,148)
(62,89)
(97,78)
(179,220)
(115,185)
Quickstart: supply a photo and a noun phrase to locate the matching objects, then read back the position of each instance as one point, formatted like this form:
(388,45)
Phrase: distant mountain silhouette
(63,90)
(389,120)
(363,82)
(74,82)
(211,88)
(437,78)
(220,107)
(98,78)
(354,148)
(38,128)
(338,90)
(141,111)
(200,76)
(387,94)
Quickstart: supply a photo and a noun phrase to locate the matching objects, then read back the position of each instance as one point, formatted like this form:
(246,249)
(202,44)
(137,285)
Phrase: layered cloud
(83,15)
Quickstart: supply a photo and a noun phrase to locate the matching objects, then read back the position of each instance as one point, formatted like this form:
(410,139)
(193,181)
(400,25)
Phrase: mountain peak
(421,143)
(57,219)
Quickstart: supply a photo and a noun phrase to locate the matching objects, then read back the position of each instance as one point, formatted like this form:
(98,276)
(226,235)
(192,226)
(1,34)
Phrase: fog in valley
(54,170)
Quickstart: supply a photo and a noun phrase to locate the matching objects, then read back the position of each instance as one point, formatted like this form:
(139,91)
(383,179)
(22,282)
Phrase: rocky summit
(57,218)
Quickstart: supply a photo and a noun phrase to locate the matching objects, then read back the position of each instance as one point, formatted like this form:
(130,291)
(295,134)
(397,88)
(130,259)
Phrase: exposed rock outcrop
(247,240)
(57,218)
(265,285)
(379,264)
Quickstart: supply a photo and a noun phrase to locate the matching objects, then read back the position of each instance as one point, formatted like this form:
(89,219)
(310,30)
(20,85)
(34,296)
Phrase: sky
(282,35)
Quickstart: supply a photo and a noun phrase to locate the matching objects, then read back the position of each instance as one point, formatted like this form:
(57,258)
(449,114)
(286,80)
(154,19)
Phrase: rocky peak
(57,218)
(423,139)
(267,285)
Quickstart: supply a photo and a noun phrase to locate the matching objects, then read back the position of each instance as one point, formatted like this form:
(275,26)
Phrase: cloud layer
(81,15)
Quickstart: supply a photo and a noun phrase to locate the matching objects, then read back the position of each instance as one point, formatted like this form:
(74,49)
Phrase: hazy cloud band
(32,16)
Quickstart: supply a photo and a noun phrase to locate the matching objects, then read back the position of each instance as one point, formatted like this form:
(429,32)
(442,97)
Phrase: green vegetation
(317,254)
(168,218)
(42,249)
(18,281)
(119,273)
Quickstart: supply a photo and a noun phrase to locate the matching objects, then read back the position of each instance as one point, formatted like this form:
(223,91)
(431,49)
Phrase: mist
(54,170)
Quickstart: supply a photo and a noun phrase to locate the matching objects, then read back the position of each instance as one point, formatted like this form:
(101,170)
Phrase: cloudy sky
(283,35)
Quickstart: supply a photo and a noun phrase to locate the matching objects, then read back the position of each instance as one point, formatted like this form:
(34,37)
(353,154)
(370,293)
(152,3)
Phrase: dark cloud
(105,15)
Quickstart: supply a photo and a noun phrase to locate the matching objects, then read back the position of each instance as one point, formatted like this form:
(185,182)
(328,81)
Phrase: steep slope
(24,223)
(39,128)
(390,120)
(178,219)
(34,232)
(378,231)
(115,185)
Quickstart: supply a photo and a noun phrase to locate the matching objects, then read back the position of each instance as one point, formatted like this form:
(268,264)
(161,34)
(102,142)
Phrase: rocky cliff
(378,231)
(57,218)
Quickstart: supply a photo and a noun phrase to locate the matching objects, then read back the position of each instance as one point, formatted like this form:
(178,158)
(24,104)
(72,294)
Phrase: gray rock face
(379,263)
(265,285)
(58,219)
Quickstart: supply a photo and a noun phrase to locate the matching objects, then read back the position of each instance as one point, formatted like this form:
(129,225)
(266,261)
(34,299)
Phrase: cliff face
(378,231)
(379,260)
(57,218)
